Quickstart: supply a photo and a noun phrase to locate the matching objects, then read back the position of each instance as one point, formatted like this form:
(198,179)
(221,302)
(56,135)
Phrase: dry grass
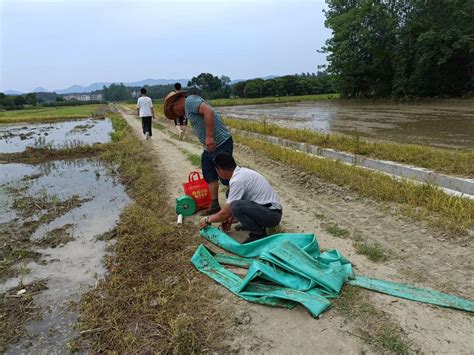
(39,155)
(11,323)
(441,160)
(417,200)
(153,300)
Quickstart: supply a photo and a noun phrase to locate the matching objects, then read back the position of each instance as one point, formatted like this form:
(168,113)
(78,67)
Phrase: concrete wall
(460,185)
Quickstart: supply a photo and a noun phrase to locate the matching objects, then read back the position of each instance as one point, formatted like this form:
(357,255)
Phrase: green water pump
(185,205)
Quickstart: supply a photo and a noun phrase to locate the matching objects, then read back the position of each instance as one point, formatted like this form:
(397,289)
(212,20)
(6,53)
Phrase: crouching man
(251,200)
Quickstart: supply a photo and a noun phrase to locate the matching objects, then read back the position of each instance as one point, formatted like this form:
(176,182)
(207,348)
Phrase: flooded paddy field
(51,218)
(448,124)
(16,137)
(56,221)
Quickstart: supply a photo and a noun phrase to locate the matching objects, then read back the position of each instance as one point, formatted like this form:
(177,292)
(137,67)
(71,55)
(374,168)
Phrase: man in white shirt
(146,112)
(251,200)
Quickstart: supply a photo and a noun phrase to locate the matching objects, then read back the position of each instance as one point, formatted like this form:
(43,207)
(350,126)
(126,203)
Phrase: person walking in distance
(181,122)
(146,112)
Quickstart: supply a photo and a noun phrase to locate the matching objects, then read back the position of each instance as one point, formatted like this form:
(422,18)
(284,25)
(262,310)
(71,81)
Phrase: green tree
(382,48)
(435,53)
(362,46)
(238,88)
(19,101)
(206,82)
(30,99)
(252,89)
(117,92)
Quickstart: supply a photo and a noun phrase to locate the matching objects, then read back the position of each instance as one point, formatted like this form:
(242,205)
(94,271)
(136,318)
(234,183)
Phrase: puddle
(445,123)
(69,269)
(16,138)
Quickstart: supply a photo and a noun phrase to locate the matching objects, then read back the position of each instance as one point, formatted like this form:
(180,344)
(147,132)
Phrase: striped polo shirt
(191,108)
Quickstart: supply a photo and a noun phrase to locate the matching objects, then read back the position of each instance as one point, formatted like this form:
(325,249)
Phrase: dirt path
(420,255)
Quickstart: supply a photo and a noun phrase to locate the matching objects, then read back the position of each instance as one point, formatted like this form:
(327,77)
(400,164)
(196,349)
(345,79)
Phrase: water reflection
(447,123)
(16,137)
(73,268)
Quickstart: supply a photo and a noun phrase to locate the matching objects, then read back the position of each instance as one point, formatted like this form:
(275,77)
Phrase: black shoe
(254,237)
(210,210)
(239,227)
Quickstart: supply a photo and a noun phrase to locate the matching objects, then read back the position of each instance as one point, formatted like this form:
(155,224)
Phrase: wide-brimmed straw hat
(169,99)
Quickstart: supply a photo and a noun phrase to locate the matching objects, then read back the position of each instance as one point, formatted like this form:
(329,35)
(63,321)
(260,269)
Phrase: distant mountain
(98,86)
(77,89)
(264,78)
(150,82)
(39,89)
(12,92)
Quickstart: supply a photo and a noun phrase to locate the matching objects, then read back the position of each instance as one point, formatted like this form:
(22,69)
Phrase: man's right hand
(210,144)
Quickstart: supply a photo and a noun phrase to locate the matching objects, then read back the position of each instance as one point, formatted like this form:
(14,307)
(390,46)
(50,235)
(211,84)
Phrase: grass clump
(336,231)
(12,323)
(373,251)
(159,126)
(38,155)
(441,160)
(152,299)
(373,326)
(195,159)
(49,114)
(419,200)
(57,236)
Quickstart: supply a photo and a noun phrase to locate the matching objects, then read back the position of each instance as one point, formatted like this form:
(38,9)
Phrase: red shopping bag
(198,189)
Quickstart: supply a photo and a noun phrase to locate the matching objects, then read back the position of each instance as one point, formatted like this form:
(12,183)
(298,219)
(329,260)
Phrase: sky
(55,44)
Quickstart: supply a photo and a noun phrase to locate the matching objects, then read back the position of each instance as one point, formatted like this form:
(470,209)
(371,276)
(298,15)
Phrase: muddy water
(17,137)
(445,123)
(72,268)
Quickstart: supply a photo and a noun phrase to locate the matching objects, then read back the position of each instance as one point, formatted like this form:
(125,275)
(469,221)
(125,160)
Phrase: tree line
(15,102)
(401,48)
(211,86)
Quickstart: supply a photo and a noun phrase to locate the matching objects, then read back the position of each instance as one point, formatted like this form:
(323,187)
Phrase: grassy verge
(158,104)
(373,326)
(47,114)
(417,200)
(271,100)
(442,160)
(152,299)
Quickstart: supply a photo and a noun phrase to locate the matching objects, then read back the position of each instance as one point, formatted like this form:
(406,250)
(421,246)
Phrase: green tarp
(288,269)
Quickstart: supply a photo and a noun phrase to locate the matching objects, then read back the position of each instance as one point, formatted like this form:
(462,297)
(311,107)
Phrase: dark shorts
(208,170)
(181,121)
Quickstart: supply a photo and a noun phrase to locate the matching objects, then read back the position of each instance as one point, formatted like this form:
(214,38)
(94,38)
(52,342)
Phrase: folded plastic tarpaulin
(295,272)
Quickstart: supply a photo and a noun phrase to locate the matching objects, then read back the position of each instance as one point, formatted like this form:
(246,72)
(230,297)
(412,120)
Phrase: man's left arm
(222,216)
(206,111)
(152,113)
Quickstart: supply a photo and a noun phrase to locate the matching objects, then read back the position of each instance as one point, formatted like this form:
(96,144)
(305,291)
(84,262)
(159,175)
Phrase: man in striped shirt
(211,131)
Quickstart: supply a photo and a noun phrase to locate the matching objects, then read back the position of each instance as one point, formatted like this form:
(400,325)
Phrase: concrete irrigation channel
(452,184)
